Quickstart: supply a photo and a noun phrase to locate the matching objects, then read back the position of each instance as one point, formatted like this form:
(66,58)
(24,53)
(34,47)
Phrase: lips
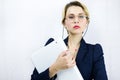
(76,27)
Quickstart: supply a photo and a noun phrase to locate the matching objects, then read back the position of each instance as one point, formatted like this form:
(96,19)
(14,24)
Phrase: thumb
(63,53)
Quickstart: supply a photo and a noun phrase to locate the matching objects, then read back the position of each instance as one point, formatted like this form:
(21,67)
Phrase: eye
(81,16)
(71,17)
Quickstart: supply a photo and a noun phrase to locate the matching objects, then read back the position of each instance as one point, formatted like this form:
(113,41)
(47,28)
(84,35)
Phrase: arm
(42,76)
(99,71)
(64,61)
(45,74)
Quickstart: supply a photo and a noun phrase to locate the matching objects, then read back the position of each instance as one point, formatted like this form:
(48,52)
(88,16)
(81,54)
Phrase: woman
(88,58)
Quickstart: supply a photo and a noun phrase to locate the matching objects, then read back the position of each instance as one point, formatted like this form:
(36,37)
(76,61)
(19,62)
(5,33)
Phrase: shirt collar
(82,50)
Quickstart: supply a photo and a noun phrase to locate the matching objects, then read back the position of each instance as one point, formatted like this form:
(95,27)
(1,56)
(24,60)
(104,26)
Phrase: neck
(74,40)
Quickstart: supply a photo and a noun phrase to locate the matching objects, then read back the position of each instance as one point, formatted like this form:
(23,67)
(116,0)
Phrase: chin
(77,33)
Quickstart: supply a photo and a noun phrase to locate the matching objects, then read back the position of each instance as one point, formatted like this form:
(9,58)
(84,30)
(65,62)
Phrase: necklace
(73,49)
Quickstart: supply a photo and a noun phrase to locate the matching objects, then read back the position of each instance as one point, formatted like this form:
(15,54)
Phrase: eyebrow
(81,13)
(78,14)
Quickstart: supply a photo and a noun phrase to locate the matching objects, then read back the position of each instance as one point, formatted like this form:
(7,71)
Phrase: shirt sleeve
(99,71)
(40,76)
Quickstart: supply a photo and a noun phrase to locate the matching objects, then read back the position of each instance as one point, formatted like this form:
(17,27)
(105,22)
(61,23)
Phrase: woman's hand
(64,61)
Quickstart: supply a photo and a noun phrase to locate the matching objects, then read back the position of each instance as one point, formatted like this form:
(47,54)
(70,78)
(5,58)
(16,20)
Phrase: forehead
(74,10)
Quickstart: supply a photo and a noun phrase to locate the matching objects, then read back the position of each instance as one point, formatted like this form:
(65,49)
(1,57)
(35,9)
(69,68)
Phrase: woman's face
(75,20)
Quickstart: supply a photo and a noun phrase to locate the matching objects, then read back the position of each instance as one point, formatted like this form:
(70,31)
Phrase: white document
(46,56)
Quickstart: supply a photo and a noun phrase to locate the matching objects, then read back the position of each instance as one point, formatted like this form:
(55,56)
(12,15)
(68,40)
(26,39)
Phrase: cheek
(67,25)
(84,25)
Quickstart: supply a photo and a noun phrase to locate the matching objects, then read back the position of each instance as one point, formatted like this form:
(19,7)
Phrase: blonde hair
(75,3)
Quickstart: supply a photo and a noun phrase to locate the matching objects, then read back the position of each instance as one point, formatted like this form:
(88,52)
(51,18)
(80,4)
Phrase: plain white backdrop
(25,26)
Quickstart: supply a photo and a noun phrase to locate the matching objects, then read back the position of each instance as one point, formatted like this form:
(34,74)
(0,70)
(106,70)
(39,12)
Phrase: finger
(73,61)
(72,64)
(67,52)
(63,53)
(73,57)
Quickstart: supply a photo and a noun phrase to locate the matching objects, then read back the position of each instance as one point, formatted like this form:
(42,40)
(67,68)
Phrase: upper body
(89,59)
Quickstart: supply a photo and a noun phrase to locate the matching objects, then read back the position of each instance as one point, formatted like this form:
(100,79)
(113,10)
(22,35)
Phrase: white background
(25,26)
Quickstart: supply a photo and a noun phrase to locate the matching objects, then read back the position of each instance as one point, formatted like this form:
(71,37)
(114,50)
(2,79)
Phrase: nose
(76,20)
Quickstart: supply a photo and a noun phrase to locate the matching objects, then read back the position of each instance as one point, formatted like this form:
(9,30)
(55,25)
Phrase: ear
(65,27)
(88,22)
(64,24)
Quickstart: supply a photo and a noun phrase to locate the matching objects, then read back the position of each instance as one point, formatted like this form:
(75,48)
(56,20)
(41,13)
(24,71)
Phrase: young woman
(88,58)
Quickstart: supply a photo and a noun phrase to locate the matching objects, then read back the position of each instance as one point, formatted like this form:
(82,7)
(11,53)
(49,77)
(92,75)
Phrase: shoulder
(98,49)
(97,52)
(95,49)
